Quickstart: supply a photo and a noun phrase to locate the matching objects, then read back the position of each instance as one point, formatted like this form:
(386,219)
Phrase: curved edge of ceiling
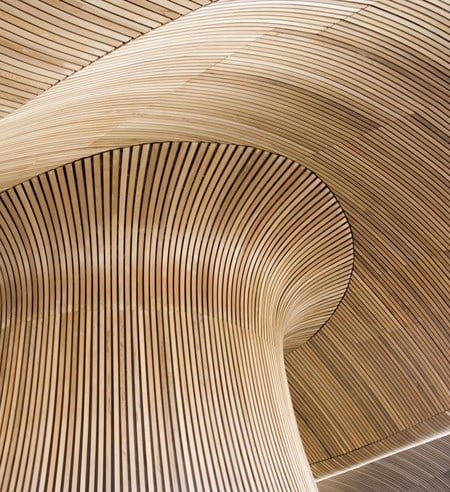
(429,430)
(423,465)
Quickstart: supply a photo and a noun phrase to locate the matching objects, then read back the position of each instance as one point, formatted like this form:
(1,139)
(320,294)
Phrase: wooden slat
(425,467)
(426,430)
(147,294)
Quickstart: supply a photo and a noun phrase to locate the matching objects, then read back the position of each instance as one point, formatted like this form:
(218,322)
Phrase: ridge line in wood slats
(43,42)
(422,468)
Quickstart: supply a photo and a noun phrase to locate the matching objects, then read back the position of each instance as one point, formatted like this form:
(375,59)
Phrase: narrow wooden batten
(148,295)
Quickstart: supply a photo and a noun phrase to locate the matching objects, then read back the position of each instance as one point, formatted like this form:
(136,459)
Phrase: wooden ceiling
(355,91)
(44,41)
(151,275)
(420,469)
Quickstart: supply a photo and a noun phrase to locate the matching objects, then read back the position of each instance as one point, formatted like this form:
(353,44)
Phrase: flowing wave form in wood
(147,294)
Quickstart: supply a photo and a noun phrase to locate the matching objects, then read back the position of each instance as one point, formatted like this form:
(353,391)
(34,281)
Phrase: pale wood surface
(44,41)
(425,468)
(357,92)
(146,296)
(429,429)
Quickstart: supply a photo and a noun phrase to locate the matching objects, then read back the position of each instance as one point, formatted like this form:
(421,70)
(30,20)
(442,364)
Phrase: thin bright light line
(385,455)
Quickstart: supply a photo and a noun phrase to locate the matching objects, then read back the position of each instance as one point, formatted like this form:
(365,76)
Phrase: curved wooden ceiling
(43,42)
(115,273)
(357,92)
(423,468)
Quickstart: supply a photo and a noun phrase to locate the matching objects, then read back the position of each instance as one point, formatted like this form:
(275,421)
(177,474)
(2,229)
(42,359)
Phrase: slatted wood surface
(356,91)
(431,428)
(45,41)
(423,468)
(146,295)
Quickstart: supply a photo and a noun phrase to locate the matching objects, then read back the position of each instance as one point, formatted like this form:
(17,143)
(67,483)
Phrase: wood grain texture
(357,91)
(44,41)
(147,294)
(421,469)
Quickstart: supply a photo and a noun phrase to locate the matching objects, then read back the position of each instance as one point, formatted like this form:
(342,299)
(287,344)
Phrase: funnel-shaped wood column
(146,297)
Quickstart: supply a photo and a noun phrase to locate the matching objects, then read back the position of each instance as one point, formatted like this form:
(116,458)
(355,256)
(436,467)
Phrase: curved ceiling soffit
(423,467)
(433,428)
(370,124)
(264,75)
(178,248)
(45,42)
(284,247)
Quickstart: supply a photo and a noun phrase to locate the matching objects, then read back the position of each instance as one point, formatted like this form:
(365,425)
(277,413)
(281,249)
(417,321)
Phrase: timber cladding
(356,91)
(147,294)
(43,41)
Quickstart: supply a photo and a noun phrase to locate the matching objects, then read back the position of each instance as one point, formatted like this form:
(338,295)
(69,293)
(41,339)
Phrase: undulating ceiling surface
(421,469)
(44,41)
(358,93)
(146,297)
